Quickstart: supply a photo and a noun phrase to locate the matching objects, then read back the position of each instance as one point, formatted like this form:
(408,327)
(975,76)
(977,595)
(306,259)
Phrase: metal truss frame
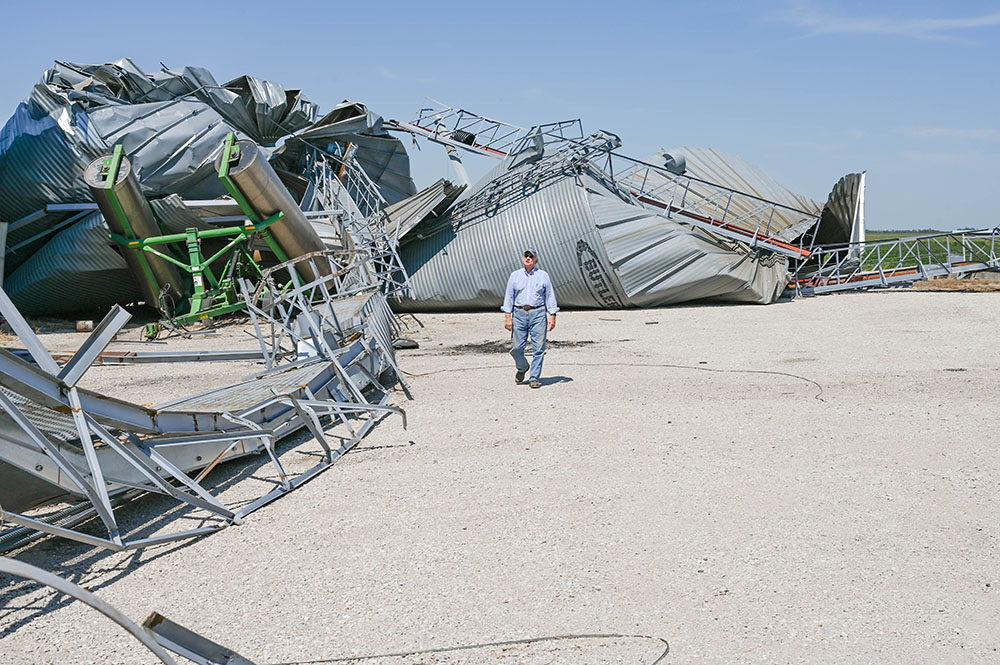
(338,327)
(330,176)
(458,128)
(899,262)
(567,150)
(304,319)
(462,129)
(117,459)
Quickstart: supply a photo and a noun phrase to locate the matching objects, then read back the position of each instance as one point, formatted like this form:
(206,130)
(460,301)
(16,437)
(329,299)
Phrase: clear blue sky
(909,91)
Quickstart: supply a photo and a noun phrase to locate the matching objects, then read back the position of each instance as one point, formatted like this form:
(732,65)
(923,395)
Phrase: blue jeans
(535,323)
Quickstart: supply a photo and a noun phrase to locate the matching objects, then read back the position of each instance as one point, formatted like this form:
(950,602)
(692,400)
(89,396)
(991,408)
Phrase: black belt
(529,307)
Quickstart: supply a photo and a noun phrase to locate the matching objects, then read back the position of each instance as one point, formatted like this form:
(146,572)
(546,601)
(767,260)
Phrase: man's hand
(509,322)
(552,322)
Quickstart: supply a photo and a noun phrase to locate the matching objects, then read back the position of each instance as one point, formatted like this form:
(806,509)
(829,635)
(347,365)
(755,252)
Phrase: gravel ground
(806,482)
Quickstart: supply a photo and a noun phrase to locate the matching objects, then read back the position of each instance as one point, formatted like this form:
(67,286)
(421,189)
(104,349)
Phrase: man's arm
(508,303)
(550,302)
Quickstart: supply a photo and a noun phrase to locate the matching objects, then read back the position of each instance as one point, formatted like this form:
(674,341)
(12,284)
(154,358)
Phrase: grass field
(875,236)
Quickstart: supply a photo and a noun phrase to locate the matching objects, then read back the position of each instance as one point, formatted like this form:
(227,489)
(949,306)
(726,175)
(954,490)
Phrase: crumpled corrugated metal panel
(600,249)
(176,217)
(409,212)
(736,173)
(660,261)
(169,124)
(468,270)
(172,144)
(838,214)
(29,234)
(44,149)
(381,155)
(77,270)
(263,110)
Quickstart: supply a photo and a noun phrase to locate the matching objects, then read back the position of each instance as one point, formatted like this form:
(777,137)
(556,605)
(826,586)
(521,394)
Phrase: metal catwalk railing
(722,210)
(896,262)
(736,215)
(481,135)
(764,225)
(333,176)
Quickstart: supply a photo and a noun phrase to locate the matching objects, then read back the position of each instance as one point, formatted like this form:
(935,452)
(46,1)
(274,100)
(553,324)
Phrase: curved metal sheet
(600,248)
(468,269)
(736,173)
(171,125)
(381,155)
(77,270)
(838,214)
(660,261)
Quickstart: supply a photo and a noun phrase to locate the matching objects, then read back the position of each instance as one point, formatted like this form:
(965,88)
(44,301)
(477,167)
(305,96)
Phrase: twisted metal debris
(63,442)
(325,330)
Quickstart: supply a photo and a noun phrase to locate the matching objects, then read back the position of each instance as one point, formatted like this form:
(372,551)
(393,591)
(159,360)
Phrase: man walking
(528,298)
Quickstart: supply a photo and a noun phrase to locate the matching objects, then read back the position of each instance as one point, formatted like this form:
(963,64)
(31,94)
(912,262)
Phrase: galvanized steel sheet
(171,125)
(600,247)
(469,269)
(660,261)
(736,173)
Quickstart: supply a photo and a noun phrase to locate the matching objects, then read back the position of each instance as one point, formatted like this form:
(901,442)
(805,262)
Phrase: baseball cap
(533,252)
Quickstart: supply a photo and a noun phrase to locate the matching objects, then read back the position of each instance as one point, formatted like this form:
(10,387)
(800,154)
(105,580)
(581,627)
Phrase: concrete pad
(812,481)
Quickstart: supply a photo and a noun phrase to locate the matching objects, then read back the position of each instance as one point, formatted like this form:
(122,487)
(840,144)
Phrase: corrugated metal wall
(75,271)
(171,126)
(600,250)
(838,215)
(38,165)
(469,270)
(660,261)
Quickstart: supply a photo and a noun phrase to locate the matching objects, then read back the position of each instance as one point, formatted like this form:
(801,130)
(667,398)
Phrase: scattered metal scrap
(63,442)
(157,634)
(151,357)
(145,635)
(319,305)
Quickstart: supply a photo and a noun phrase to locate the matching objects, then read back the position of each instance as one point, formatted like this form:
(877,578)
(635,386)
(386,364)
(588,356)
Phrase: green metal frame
(211,294)
(231,156)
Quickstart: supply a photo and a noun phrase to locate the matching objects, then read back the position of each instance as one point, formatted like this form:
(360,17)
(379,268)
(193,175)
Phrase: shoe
(519,377)
(535,383)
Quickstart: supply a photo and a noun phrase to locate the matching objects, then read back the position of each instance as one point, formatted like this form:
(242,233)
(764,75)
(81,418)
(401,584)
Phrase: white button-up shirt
(533,289)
